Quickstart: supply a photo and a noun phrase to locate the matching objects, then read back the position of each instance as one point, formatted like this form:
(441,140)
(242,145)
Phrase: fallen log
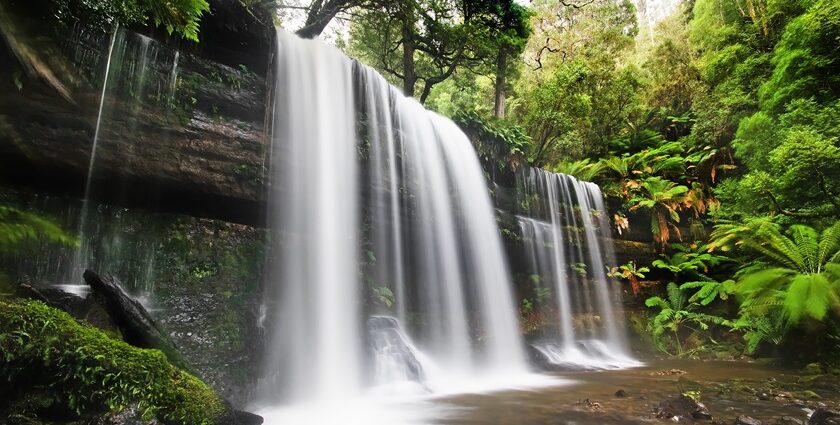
(136,325)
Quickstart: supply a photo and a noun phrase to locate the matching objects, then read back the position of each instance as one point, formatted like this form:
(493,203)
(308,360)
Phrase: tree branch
(824,188)
(576,6)
(791,213)
(547,48)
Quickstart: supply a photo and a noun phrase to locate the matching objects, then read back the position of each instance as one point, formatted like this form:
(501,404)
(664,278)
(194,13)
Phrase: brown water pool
(728,389)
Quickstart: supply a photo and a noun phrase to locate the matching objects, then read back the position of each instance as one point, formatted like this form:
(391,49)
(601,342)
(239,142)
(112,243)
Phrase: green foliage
(795,276)
(690,262)
(18,227)
(418,44)
(87,371)
(806,61)
(631,273)
(663,199)
(527,305)
(495,139)
(803,276)
(175,16)
(676,314)
(709,290)
(383,296)
(584,169)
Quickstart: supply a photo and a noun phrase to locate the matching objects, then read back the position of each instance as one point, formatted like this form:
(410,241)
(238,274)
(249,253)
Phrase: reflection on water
(585,398)
(591,399)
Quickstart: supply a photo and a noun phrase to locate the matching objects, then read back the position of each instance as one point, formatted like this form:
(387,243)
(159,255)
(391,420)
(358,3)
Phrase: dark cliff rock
(185,135)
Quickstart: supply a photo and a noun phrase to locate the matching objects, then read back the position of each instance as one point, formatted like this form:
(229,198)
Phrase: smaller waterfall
(133,84)
(80,256)
(567,242)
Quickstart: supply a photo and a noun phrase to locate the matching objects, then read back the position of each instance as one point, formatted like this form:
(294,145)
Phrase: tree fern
(801,279)
(806,240)
(676,314)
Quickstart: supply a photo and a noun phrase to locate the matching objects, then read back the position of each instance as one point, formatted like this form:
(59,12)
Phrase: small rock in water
(594,405)
(788,420)
(241,417)
(747,420)
(682,407)
(669,372)
(824,417)
(621,393)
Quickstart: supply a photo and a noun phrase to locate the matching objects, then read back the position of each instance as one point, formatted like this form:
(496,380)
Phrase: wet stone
(824,417)
(747,420)
(682,407)
(787,420)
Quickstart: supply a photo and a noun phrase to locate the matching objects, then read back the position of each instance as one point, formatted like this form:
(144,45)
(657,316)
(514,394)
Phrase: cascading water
(81,254)
(567,242)
(129,72)
(376,202)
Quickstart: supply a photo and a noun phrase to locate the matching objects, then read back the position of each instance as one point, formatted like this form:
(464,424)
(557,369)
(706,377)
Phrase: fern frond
(829,247)
(676,297)
(769,241)
(807,242)
(807,296)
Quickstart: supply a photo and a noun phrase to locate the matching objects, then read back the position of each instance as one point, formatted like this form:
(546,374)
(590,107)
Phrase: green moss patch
(84,371)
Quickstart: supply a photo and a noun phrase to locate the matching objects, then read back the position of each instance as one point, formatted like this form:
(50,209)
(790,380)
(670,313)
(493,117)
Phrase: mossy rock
(84,372)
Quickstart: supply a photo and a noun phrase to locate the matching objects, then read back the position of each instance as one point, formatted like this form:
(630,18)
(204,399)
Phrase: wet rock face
(387,344)
(178,132)
(215,339)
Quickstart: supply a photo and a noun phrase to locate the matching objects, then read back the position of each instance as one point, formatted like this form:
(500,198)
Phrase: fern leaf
(829,247)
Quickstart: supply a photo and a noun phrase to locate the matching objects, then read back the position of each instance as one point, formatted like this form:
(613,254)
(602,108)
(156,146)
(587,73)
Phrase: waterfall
(131,85)
(377,207)
(566,239)
(80,256)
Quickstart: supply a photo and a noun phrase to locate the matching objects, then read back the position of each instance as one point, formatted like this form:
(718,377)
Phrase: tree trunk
(320,15)
(135,323)
(409,72)
(501,70)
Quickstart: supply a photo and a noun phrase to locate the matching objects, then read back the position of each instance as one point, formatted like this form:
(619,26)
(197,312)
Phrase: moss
(88,372)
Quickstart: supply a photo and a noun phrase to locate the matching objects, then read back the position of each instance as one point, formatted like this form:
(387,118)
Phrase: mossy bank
(58,370)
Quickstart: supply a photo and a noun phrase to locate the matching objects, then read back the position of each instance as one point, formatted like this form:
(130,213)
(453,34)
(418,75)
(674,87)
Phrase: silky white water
(377,207)
(566,239)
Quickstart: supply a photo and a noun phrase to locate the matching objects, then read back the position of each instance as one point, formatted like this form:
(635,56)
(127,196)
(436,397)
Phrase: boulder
(241,417)
(396,359)
(824,416)
(680,407)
